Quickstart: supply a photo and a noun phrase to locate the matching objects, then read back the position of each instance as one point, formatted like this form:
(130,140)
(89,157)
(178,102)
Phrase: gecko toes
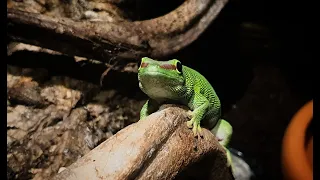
(196,128)
(200,131)
(189,114)
(190,124)
(197,131)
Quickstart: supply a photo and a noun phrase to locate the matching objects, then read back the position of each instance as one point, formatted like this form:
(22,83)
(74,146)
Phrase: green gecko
(170,81)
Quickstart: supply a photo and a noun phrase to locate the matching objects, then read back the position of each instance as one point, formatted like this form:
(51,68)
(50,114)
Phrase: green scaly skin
(171,82)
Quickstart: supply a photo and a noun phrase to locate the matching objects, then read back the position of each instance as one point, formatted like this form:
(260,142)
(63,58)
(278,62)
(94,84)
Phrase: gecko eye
(179,67)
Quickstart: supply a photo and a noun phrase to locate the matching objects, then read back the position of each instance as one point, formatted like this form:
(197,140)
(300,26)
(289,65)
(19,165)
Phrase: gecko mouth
(159,76)
(156,73)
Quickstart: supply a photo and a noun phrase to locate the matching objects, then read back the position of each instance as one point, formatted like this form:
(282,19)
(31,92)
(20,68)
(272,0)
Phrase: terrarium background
(253,54)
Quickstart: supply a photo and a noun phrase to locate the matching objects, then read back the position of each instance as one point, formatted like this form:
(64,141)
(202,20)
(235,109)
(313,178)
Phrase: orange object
(297,150)
(310,151)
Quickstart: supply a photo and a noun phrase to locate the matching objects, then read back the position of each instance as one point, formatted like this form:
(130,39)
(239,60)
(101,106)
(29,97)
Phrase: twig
(106,72)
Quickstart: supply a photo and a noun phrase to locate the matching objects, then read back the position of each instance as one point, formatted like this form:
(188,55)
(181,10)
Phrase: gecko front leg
(200,104)
(148,108)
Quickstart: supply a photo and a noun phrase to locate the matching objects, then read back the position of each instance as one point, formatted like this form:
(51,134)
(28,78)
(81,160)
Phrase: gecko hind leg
(223,131)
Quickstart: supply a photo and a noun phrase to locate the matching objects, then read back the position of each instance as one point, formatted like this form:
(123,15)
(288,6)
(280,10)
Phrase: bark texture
(159,147)
(103,39)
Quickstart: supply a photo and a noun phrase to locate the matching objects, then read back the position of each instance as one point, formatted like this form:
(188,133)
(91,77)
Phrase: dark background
(262,74)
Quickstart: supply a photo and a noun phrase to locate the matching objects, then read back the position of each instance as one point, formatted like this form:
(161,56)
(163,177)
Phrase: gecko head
(161,78)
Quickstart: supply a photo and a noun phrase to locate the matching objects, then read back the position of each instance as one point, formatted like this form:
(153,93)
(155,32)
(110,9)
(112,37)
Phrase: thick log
(159,147)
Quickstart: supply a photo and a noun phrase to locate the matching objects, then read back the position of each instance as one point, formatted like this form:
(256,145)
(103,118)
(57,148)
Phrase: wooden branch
(157,37)
(159,147)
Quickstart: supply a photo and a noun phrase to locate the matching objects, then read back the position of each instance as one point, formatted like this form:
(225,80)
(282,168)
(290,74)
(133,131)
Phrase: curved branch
(157,37)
